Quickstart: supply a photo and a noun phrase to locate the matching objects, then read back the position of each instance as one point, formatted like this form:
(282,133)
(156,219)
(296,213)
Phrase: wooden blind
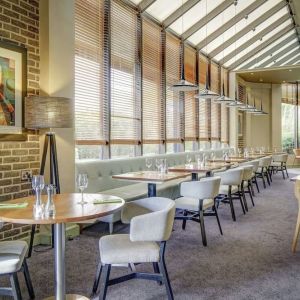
(125,99)
(242,93)
(224,109)
(174,105)
(91,105)
(153,109)
(215,107)
(289,93)
(204,104)
(190,102)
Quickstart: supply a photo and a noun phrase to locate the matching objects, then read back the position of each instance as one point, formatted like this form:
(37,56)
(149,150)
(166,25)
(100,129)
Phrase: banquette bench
(100,174)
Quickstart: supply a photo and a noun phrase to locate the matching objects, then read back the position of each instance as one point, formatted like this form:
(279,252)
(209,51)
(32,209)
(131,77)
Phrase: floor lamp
(48,113)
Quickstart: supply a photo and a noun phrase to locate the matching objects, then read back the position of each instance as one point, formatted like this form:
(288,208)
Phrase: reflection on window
(288,126)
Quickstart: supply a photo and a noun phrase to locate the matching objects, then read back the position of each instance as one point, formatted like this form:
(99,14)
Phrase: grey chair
(12,261)
(198,200)
(151,222)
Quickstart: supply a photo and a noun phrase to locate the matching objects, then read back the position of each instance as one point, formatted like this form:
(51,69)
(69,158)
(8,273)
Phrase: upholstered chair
(297,229)
(263,170)
(12,261)
(255,165)
(296,154)
(246,186)
(150,229)
(279,164)
(198,200)
(231,181)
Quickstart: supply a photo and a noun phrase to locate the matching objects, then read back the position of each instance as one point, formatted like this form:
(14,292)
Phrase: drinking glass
(38,184)
(213,156)
(158,163)
(188,159)
(239,151)
(149,163)
(82,184)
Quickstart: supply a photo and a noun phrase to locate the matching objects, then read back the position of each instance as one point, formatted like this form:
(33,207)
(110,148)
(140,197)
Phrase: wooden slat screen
(224,109)
(215,107)
(125,100)
(289,93)
(241,92)
(190,102)
(91,105)
(204,104)
(174,105)
(153,108)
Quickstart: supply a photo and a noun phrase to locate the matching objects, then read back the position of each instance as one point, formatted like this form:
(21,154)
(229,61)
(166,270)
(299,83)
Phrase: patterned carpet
(252,260)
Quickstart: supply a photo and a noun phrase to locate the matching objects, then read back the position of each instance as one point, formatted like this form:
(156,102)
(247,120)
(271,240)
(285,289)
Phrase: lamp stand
(50,142)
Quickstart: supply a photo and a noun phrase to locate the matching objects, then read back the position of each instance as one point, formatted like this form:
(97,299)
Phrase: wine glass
(149,163)
(158,163)
(82,184)
(188,159)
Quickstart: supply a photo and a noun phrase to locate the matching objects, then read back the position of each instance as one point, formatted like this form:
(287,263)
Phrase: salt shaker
(50,206)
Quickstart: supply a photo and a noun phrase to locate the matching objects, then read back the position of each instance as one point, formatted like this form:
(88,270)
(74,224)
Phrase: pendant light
(236,103)
(247,107)
(206,93)
(254,109)
(183,85)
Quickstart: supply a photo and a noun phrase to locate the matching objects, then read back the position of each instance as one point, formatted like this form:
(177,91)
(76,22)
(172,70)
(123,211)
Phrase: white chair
(255,164)
(247,183)
(279,164)
(151,222)
(263,170)
(12,261)
(231,181)
(197,197)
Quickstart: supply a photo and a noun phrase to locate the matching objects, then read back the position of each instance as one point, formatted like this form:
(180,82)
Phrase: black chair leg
(267,176)
(164,272)
(231,207)
(97,279)
(250,193)
(203,234)
(255,181)
(156,270)
(251,186)
(28,280)
(287,174)
(282,171)
(16,292)
(31,240)
(241,200)
(184,221)
(218,220)
(244,198)
(263,180)
(104,281)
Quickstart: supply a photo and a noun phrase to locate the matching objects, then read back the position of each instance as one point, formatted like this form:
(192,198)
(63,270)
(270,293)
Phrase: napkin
(106,201)
(13,205)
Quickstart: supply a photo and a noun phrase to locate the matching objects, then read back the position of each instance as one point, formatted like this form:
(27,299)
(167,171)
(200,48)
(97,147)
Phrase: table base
(70,297)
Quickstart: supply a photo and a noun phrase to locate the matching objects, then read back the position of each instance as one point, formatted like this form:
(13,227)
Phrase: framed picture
(240,124)
(13,89)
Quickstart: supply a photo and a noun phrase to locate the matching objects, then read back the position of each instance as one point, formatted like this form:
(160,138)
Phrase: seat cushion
(276,164)
(119,249)
(225,188)
(192,203)
(12,254)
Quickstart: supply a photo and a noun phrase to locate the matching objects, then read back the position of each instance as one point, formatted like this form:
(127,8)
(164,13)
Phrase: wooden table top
(150,176)
(231,160)
(195,168)
(251,156)
(67,209)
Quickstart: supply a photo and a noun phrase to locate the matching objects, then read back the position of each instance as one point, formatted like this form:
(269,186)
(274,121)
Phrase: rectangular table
(231,160)
(151,178)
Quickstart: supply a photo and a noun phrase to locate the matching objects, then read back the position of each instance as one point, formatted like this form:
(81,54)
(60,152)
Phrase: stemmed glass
(149,163)
(38,184)
(82,184)
(158,163)
(188,159)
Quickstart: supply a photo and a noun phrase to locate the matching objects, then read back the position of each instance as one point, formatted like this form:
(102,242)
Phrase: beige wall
(57,74)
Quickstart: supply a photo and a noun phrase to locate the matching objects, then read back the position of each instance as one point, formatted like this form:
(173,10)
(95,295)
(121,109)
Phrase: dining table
(67,210)
(152,178)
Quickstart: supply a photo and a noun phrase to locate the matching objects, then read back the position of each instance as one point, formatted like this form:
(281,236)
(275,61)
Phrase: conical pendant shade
(236,103)
(223,98)
(247,107)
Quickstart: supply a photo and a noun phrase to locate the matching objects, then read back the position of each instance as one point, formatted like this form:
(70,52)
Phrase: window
(125,114)
(174,100)
(152,98)
(224,109)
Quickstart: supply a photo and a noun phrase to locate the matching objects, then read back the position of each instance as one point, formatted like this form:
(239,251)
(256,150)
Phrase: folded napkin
(107,201)
(13,205)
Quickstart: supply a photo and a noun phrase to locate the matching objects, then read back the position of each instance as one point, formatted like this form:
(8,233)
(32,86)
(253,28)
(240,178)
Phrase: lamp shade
(48,112)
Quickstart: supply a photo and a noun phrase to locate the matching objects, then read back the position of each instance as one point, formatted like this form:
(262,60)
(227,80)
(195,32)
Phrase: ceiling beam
(261,46)
(287,58)
(269,52)
(295,60)
(230,23)
(145,4)
(255,38)
(248,28)
(202,22)
(278,55)
(179,12)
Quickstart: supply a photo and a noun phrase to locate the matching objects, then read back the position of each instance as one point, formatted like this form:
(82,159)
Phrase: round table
(67,211)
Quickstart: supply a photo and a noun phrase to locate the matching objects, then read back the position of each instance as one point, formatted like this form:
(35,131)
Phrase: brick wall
(19,24)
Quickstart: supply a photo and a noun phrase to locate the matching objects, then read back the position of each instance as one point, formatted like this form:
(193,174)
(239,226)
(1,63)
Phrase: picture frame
(13,89)
(240,124)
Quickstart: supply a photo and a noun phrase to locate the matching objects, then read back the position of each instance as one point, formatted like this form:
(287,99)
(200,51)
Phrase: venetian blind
(204,104)
(91,105)
(190,102)
(224,109)
(125,98)
(153,108)
(215,107)
(242,93)
(174,105)
(289,93)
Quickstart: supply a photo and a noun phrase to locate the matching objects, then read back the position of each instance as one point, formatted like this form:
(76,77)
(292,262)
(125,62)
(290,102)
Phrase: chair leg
(164,272)
(287,174)
(241,200)
(97,279)
(203,234)
(184,221)
(256,184)
(156,270)
(31,240)
(250,193)
(218,220)
(16,292)
(297,232)
(28,280)
(267,176)
(104,281)
(244,197)
(251,186)
(263,180)
(231,205)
